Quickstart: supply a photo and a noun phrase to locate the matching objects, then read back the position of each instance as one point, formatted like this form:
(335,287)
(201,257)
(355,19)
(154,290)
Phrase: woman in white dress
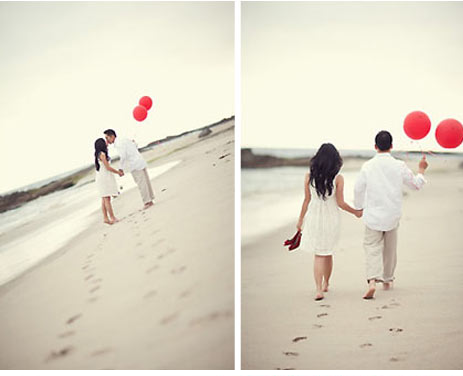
(105,180)
(324,195)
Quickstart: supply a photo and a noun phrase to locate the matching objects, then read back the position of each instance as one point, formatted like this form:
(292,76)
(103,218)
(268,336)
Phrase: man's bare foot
(114,220)
(387,285)
(107,221)
(319,296)
(371,291)
(149,204)
(325,286)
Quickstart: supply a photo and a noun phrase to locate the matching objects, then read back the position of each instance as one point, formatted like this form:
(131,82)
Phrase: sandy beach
(415,326)
(155,291)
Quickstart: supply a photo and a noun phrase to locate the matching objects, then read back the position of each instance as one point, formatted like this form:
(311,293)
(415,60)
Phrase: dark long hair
(100,147)
(324,166)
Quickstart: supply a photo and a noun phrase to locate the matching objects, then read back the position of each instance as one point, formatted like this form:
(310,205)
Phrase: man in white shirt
(133,162)
(378,191)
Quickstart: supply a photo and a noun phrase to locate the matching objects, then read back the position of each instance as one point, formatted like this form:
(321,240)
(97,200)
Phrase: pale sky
(339,72)
(70,70)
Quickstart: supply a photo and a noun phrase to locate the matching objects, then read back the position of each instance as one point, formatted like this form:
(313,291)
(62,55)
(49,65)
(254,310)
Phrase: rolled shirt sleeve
(412,181)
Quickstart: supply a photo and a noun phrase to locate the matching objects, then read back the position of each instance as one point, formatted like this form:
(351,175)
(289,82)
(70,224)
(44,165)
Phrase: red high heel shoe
(294,242)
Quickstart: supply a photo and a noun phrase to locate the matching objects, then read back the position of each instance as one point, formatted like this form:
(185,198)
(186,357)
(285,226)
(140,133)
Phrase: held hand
(299,225)
(423,165)
(358,213)
(121,173)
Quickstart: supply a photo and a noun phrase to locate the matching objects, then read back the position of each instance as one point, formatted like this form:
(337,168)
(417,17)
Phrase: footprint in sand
(185,294)
(317,326)
(92,300)
(101,351)
(396,330)
(396,359)
(163,190)
(213,316)
(168,319)
(60,353)
(152,269)
(290,353)
(298,339)
(88,277)
(375,318)
(85,267)
(223,156)
(66,334)
(97,280)
(286,369)
(363,345)
(325,305)
(74,318)
(96,288)
(178,270)
(322,314)
(150,294)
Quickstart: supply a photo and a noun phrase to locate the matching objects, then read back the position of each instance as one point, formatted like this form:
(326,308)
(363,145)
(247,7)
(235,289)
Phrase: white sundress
(106,182)
(320,233)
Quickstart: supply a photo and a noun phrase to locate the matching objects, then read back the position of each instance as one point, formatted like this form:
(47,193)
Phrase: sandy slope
(416,326)
(153,292)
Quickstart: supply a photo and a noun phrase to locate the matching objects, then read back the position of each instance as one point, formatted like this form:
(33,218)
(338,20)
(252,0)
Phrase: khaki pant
(144,185)
(381,254)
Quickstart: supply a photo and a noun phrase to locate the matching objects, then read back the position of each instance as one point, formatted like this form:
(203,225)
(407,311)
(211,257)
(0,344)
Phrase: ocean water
(272,198)
(65,214)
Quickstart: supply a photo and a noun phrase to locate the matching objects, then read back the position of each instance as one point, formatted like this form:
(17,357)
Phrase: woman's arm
(340,198)
(305,204)
(107,165)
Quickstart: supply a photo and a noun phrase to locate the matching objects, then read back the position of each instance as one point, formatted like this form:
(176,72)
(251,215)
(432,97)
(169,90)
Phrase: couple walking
(377,198)
(131,161)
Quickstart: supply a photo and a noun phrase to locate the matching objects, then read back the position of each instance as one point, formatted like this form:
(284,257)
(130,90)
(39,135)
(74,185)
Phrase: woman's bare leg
(327,272)
(105,213)
(109,209)
(318,275)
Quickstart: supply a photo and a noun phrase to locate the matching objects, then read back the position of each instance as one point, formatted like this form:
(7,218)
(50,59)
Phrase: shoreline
(80,235)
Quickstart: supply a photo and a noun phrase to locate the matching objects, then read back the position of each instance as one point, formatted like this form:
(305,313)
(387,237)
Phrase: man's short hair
(110,132)
(383,140)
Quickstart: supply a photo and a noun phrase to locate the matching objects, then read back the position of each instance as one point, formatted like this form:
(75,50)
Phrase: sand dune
(415,326)
(154,291)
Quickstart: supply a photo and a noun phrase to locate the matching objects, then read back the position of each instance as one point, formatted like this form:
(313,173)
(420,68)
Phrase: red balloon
(417,125)
(449,133)
(145,102)
(140,113)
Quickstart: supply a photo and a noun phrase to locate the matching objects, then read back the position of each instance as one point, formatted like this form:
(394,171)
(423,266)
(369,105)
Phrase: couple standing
(131,161)
(377,197)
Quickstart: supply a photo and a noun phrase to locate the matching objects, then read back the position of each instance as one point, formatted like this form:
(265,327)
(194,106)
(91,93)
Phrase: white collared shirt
(378,190)
(131,158)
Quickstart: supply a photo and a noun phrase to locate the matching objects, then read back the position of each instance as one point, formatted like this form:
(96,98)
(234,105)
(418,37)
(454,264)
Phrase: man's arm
(122,149)
(359,190)
(412,181)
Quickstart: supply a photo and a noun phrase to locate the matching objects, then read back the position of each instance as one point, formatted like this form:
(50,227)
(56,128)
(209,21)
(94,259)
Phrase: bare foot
(149,204)
(108,221)
(325,286)
(387,286)
(371,291)
(114,220)
(319,296)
